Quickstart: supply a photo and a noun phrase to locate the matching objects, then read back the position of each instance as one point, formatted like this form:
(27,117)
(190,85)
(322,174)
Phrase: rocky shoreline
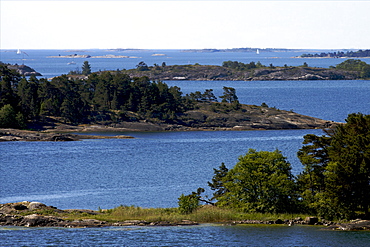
(36,214)
(24,70)
(219,73)
(27,135)
(250,117)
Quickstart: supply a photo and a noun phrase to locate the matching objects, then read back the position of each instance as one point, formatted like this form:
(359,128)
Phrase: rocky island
(23,70)
(238,71)
(208,117)
(117,101)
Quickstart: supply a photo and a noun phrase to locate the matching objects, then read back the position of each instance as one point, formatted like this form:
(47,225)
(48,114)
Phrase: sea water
(155,168)
(52,63)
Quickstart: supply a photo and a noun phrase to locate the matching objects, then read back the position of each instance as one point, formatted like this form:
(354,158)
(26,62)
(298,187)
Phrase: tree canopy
(92,99)
(260,182)
(336,177)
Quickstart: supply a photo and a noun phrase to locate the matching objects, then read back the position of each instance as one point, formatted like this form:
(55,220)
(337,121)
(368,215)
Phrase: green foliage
(9,80)
(207,96)
(336,178)
(86,68)
(356,65)
(229,95)
(359,53)
(188,203)
(314,158)
(9,118)
(218,181)
(241,66)
(260,182)
(102,96)
(142,66)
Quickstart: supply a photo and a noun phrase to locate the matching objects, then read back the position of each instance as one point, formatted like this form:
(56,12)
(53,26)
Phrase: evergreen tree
(218,181)
(336,178)
(86,68)
(348,173)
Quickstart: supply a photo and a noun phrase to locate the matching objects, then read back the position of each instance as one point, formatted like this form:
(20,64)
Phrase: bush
(188,203)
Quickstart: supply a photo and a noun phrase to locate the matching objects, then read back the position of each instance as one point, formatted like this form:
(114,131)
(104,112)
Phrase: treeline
(90,100)
(105,96)
(357,65)
(334,183)
(242,66)
(359,53)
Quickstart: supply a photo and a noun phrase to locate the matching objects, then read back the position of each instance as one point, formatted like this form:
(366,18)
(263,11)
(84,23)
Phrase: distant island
(340,54)
(253,71)
(246,49)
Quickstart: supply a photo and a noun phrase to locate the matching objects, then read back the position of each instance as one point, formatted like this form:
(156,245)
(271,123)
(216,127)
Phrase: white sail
(19,51)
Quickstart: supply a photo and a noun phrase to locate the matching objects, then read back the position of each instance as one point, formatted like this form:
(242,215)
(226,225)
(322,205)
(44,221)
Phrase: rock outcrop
(219,73)
(36,214)
(26,135)
(24,70)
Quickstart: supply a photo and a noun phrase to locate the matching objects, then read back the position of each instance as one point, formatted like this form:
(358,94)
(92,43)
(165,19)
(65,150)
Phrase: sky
(176,24)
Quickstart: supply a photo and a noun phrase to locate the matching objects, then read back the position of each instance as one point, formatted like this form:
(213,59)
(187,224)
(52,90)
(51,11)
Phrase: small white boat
(71,63)
(258,51)
(19,52)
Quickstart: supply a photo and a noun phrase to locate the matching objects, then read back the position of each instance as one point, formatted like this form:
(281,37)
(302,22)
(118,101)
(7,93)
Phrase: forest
(105,96)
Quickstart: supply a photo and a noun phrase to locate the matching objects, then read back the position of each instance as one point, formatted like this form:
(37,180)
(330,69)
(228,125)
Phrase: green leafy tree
(260,182)
(189,203)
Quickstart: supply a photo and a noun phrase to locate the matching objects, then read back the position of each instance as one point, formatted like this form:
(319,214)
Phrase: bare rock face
(24,70)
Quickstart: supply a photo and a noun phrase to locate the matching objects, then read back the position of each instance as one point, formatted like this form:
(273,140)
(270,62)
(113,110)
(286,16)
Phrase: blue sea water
(155,168)
(49,64)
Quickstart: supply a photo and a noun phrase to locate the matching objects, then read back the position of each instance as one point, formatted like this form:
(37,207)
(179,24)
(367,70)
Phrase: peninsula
(108,101)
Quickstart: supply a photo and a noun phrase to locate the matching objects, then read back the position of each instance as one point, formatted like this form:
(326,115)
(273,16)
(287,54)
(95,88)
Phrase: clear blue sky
(175,24)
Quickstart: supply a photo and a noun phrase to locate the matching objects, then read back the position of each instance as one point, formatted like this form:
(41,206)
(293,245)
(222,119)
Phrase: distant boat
(258,51)
(19,52)
(71,63)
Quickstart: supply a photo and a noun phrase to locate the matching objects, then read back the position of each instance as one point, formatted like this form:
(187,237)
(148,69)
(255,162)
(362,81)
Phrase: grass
(204,214)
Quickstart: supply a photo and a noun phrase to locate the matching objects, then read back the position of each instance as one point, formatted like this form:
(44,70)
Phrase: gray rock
(311,220)
(35,205)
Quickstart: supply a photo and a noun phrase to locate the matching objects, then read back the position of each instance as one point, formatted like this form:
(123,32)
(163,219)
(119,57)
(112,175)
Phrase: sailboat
(19,51)
(258,51)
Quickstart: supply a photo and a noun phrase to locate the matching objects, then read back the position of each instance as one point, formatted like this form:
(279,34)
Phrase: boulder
(35,205)
(279,221)
(311,220)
